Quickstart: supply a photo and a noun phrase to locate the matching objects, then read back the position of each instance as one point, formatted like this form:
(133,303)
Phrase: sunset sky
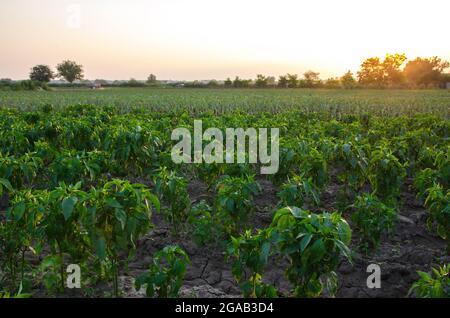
(205,39)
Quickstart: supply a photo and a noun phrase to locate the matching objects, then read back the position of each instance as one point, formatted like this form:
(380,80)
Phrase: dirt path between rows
(409,249)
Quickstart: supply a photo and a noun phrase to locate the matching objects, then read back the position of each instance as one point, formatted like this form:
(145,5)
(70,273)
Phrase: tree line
(394,71)
(391,72)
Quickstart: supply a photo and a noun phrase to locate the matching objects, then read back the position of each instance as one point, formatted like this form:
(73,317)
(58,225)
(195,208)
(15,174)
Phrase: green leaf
(6,184)
(296,212)
(265,250)
(113,203)
(345,233)
(317,250)
(19,210)
(121,216)
(305,241)
(155,201)
(100,248)
(67,206)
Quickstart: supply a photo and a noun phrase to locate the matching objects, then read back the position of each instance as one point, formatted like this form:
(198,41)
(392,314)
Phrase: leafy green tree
(371,73)
(391,64)
(241,82)
(292,80)
(271,81)
(348,81)
(70,71)
(134,83)
(228,82)
(311,78)
(282,81)
(41,73)
(151,79)
(332,82)
(237,82)
(425,71)
(213,84)
(261,80)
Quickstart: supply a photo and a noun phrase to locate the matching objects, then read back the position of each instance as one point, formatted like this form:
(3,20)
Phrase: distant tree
(371,73)
(70,71)
(332,82)
(41,73)
(425,71)
(271,81)
(241,82)
(445,79)
(391,65)
(228,82)
(213,84)
(261,80)
(151,79)
(237,82)
(282,81)
(311,78)
(292,80)
(246,83)
(134,83)
(348,81)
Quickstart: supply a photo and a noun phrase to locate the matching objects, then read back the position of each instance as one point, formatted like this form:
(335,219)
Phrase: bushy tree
(332,83)
(371,73)
(70,71)
(228,82)
(391,64)
(311,78)
(425,71)
(151,79)
(282,81)
(271,81)
(348,81)
(292,80)
(41,73)
(241,82)
(261,80)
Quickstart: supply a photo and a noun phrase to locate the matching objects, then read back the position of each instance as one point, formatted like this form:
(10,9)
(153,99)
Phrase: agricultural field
(387,102)
(87,178)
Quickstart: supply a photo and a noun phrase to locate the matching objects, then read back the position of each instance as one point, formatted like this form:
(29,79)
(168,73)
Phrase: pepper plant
(298,191)
(251,253)
(372,218)
(386,173)
(434,285)
(166,273)
(313,245)
(234,201)
(172,189)
(117,216)
(438,206)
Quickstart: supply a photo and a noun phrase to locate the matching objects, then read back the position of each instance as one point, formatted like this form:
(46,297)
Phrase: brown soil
(409,249)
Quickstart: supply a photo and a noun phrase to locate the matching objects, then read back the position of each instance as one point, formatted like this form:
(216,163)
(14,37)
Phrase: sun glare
(202,39)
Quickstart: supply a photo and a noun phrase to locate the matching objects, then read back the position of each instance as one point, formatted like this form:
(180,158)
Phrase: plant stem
(115,278)
(22,266)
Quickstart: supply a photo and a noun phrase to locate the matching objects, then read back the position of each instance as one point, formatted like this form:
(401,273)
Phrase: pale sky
(205,39)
